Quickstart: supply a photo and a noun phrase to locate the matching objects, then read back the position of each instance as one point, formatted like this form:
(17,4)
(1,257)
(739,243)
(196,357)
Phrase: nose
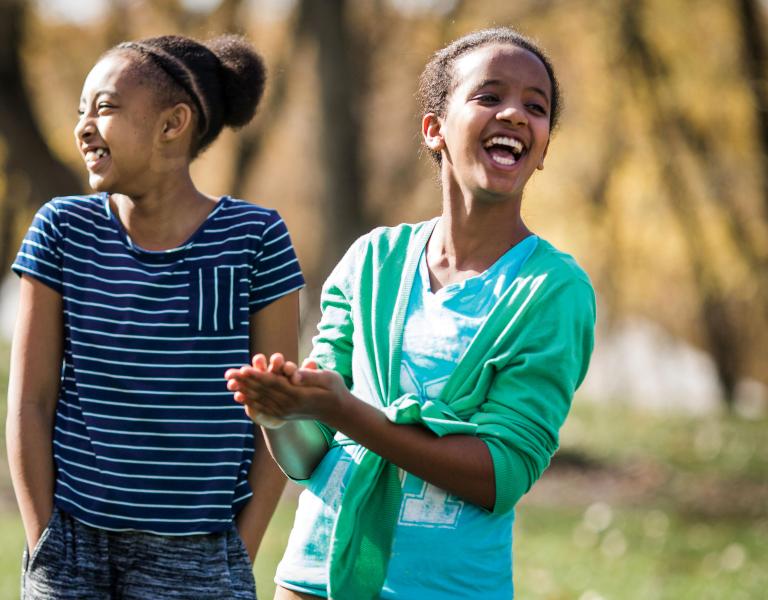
(84,128)
(513,114)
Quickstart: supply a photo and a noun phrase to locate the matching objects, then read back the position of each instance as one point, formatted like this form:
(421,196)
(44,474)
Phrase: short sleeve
(276,271)
(41,251)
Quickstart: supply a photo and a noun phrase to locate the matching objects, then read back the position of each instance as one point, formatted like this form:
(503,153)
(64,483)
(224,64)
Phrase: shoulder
(559,267)
(58,214)
(396,233)
(559,283)
(67,205)
(242,210)
(376,253)
(385,241)
(261,225)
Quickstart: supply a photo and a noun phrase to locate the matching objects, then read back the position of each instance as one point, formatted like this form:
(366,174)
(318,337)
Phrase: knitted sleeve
(531,392)
(332,346)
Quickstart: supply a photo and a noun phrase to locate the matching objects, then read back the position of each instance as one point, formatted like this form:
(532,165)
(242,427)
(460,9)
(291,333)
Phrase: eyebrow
(109,91)
(487,82)
(535,89)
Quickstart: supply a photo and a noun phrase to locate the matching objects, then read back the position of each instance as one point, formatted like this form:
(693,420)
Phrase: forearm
(267,483)
(297,447)
(459,464)
(33,391)
(30,457)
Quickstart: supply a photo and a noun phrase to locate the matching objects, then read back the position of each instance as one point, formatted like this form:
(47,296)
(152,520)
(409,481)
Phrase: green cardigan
(512,388)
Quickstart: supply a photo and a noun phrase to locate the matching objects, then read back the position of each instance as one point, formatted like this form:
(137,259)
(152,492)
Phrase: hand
(244,394)
(287,392)
(259,363)
(34,539)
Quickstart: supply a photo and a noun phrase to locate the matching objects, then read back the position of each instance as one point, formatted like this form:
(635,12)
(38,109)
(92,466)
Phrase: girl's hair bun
(243,77)
(222,81)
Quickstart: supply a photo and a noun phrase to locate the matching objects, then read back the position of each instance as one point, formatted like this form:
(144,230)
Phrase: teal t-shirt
(444,547)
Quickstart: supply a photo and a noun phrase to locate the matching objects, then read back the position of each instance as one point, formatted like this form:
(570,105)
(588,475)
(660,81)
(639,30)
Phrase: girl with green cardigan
(445,362)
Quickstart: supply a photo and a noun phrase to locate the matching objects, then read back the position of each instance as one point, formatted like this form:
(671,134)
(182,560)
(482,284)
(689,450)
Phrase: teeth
(92,155)
(504,141)
(504,161)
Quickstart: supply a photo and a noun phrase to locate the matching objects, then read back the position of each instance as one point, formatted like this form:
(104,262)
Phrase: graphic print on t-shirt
(425,505)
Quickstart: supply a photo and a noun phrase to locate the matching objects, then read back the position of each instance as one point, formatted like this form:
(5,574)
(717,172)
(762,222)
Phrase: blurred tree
(752,26)
(340,80)
(250,142)
(658,181)
(686,156)
(32,174)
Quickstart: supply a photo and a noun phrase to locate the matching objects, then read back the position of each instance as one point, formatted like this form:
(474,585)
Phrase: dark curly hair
(222,80)
(437,83)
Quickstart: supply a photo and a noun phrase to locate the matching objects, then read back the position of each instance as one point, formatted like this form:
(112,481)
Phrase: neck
(471,235)
(475,231)
(165,216)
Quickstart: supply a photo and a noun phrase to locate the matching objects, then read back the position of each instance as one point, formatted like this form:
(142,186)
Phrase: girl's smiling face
(495,130)
(118,128)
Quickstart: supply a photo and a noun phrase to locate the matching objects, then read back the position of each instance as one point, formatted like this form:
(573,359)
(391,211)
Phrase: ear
(540,166)
(176,122)
(431,130)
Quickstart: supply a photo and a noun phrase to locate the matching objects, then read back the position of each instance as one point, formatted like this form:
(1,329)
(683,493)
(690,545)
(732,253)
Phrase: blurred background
(657,181)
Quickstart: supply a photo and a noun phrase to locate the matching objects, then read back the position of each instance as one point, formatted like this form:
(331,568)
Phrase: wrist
(337,410)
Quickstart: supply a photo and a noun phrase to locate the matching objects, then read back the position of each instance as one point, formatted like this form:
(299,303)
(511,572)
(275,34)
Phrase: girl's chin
(501,188)
(97,183)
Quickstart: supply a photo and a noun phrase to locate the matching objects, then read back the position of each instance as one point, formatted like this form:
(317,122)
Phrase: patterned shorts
(73,561)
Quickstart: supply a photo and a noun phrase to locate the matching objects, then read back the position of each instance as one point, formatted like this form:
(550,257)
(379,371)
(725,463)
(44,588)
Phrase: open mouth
(505,151)
(94,157)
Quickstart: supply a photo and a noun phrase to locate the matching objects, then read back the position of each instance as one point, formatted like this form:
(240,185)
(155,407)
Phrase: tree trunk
(719,329)
(343,204)
(755,59)
(33,174)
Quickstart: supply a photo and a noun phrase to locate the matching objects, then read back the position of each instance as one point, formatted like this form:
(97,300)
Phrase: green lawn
(660,507)
(639,554)
(649,507)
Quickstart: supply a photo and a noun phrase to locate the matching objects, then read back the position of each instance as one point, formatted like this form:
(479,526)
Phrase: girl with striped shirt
(135,474)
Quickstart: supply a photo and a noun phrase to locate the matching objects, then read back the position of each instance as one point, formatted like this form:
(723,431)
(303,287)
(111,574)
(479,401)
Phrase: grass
(667,507)
(636,554)
(656,507)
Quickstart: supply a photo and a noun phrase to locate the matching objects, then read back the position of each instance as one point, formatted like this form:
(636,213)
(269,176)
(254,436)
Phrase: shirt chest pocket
(218,298)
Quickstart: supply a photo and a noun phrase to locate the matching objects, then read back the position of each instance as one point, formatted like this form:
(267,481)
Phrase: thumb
(311,377)
(309,363)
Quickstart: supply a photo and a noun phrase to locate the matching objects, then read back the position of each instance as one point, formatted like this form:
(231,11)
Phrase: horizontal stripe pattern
(146,435)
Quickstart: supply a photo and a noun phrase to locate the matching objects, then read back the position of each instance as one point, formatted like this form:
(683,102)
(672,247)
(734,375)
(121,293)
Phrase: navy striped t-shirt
(147,437)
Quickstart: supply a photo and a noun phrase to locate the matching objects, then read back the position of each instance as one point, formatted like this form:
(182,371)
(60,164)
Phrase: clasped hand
(280,390)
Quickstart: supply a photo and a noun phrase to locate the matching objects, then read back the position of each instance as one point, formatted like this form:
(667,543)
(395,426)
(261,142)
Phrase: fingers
(276,363)
(259,362)
(266,388)
(314,377)
(289,369)
(297,376)
(245,383)
(231,373)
